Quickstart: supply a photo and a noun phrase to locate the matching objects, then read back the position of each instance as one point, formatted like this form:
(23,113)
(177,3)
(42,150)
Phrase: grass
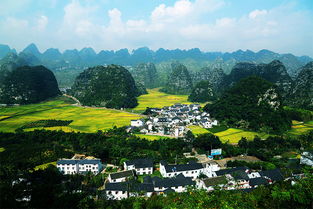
(197,130)
(233,135)
(2,149)
(151,137)
(84,119)
(157,99)
(44,166)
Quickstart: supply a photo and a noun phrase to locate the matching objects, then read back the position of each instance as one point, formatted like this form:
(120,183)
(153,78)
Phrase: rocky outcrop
(179,81)
(146,74)
(301,95)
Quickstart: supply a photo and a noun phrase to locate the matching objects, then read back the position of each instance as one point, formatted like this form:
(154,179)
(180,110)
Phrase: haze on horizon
(283,26)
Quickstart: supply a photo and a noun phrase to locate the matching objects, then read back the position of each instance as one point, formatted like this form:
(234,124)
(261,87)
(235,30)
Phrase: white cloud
(42,22)
(255,13)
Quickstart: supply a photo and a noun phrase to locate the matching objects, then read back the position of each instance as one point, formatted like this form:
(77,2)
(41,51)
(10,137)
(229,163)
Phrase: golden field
(157,99)
(85,119)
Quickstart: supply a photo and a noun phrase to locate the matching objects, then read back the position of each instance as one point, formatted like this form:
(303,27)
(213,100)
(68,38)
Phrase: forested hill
(274,72)
(301,94)
(25,85)
(112,86)
(87,57)
(252,103)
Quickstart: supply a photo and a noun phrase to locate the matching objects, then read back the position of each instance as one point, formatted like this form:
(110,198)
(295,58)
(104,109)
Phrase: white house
(73,166)
(180,183)
(137,123)
(122,190)
(121,176)
(192,170)
(210,184)
(307,158)
(141,166)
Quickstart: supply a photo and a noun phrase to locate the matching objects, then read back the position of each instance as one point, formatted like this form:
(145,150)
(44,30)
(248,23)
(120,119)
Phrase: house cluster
(80,164)
(177,178)
(172,120)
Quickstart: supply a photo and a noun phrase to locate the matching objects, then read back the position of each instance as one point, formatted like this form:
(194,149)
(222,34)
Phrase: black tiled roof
(140,163)
(183,167)
(215,181)
(230,170)
(122,174)
(257,181)
(131,186)
(274,175)
(179,180)
(240,175)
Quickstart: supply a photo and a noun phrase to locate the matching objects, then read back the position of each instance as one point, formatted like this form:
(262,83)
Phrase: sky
(283,26)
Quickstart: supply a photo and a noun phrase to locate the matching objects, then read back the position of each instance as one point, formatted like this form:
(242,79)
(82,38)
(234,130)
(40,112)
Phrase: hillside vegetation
(112,86)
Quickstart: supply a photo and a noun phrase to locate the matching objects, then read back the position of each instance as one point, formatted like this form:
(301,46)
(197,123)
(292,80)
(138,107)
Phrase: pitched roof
(215,181)
(84,161)
(257,181)
(183,167)
(239,175)
(177,181)
(122,174)
(230,170)
(140,163)
(131,186)
(274,175)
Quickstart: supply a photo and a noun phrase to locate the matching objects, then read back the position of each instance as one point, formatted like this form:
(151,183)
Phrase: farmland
(158,99)
(85,119)
(299,128)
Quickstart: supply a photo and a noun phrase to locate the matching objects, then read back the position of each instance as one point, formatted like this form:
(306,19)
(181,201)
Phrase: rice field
(151,137)
(197,130)
(233,135)
(85,119)
(299,128)
(157,99)
(44,166)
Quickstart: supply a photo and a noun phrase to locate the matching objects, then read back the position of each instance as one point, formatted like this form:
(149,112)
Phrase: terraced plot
(151,137)
(299,128)
(197,130)
(233,135)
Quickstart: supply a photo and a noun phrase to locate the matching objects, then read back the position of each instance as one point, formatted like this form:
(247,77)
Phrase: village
(144,177)
(172,120)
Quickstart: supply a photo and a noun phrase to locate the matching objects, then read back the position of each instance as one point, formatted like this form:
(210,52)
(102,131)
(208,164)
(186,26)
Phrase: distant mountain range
(86,57)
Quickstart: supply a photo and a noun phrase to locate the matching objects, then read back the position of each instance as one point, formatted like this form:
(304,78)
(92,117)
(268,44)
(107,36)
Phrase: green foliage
(25,85)
(111,86)
(46,123)
(146,75)
(254,101)
(202,92)
(298,114)
(179,81)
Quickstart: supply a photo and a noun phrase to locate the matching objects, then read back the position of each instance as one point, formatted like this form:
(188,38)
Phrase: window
(109,192)
(116,192)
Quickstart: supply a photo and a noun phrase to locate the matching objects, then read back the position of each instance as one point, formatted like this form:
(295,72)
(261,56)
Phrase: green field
(155,98)
(85,119)
(151,137)
(197,130)
(2,149)
(299,128)
(44,166)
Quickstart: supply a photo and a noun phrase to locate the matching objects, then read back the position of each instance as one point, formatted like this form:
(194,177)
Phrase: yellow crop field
(197,130)
(300,128)
(85,119)
(233,135)
(158,99)
(44,166)
(151,137)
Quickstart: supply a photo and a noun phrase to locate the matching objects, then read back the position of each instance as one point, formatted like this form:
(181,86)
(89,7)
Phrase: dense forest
(25,85)
(251,103)
(112,86)
(115,146)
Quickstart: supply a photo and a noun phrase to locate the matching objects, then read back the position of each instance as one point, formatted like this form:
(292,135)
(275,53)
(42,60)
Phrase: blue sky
(284,26)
